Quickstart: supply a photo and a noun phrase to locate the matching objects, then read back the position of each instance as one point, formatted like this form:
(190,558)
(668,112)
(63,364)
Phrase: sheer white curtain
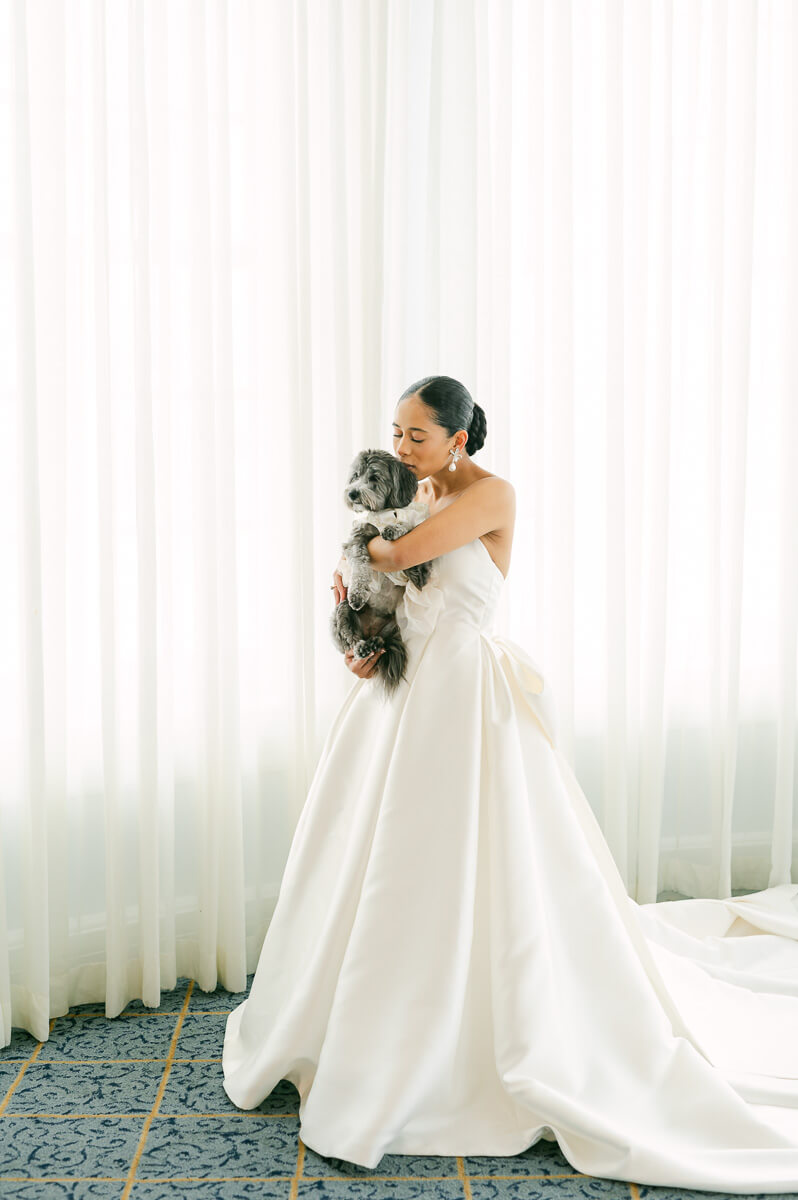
(232,234)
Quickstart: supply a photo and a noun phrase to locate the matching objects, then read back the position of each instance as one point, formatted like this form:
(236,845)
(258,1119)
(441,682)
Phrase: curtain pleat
(559,561)
(655,451)
(148,847)
(785,93)
(617,824)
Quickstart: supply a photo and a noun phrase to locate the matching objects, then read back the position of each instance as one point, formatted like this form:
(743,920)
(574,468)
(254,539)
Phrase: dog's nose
(353,493)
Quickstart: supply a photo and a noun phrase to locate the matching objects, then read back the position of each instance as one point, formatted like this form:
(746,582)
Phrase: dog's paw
(367,646)
(392,532)
(357,599)
(419,574)
(363,534)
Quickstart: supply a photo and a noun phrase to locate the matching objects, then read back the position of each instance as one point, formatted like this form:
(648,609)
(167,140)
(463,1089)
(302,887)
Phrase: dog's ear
(405,483)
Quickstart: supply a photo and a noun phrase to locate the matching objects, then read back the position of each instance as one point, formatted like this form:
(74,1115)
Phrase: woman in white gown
(454,966)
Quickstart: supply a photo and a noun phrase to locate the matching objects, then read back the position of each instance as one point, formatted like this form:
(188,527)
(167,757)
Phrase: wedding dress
(454,966)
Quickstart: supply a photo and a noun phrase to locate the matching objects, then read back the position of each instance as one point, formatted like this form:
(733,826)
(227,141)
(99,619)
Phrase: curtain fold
(233,232)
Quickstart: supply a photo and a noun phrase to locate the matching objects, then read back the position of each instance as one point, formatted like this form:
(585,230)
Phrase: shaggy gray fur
(365,621)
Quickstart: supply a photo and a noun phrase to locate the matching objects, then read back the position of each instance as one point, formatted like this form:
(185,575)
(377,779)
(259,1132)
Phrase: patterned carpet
(134,1107)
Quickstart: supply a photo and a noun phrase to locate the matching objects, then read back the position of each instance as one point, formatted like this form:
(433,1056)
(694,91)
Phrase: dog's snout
(353,493)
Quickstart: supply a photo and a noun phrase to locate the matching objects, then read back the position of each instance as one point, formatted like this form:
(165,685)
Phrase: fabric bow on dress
(418,615)
(517,665)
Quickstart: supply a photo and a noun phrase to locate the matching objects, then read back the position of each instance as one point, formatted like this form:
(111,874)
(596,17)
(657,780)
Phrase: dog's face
(377,480)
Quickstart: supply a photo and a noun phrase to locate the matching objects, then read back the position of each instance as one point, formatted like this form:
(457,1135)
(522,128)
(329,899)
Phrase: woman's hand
(362,667)
(338,583)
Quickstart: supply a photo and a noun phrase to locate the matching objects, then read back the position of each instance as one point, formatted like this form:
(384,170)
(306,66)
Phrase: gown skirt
(454,966)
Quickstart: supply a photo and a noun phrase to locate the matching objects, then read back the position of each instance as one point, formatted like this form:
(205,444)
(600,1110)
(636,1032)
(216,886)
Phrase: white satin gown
(454,966)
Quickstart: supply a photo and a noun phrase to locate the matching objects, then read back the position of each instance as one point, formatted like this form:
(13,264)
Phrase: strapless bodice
(464,586)
(459,599)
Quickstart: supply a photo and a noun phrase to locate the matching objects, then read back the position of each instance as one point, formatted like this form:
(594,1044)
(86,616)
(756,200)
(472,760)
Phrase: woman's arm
(484,506)
(382,553)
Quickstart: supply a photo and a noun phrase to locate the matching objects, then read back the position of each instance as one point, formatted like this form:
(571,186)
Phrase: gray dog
(380,491)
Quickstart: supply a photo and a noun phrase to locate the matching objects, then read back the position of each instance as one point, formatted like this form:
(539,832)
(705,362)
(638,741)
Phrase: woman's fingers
(340,590)
(372,661)
(363,667)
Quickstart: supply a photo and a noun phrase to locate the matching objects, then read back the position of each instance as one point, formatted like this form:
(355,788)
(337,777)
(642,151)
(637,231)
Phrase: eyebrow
(417,428)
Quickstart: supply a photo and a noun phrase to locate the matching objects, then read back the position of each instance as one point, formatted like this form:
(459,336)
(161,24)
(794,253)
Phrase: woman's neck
(440,487)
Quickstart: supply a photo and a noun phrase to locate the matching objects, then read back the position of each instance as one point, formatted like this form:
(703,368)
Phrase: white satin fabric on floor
(454,966)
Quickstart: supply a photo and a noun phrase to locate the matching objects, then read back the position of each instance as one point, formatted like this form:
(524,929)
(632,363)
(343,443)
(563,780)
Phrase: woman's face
(417,440)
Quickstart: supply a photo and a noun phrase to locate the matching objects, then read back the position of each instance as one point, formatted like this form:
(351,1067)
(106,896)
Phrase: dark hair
(452,407)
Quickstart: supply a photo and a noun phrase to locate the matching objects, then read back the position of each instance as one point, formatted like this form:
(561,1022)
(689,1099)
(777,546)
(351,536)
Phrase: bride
(454,966)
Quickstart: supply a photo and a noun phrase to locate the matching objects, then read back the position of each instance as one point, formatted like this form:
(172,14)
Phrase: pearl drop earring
(457,455)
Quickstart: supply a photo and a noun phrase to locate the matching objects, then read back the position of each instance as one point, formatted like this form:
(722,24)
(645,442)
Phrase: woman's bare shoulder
(505,482)
(496,485)
(422,493)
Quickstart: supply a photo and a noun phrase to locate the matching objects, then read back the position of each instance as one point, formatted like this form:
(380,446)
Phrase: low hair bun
(477,430)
